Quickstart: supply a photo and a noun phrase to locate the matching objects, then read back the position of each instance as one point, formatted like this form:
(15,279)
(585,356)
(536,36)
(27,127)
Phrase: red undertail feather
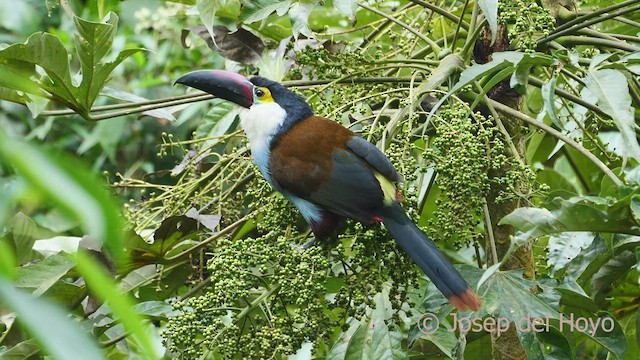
(466,300)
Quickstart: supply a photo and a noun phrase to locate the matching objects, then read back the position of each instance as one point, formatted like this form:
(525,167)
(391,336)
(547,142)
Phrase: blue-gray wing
(374,157)
(351,189)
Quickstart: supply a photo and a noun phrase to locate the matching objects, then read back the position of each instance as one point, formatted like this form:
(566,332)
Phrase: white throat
(261,122)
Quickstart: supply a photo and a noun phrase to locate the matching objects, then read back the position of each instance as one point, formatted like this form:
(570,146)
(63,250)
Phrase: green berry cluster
(460,153)
(528,22)
(265,299)
(330,65)
(472,158)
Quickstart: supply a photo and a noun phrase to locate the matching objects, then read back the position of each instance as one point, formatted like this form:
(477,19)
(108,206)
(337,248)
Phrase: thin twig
(489,228)
(582,23)
(64,4)
(213,237)
(434,46)
(558,135)
(442,12)
(562,93)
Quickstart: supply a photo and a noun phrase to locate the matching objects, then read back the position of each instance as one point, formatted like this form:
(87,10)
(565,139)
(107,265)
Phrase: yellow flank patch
(388,188)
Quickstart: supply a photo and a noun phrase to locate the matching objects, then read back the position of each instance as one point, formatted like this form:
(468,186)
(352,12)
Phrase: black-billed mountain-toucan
(327,171)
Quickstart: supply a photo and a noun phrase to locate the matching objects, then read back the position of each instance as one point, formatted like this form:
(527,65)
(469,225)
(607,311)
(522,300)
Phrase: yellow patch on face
(388,189)
(262,95)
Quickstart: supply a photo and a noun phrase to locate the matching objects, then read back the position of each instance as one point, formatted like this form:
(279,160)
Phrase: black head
(294,104)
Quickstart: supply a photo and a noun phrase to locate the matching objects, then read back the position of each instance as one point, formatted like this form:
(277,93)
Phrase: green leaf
(173,231)
(259,10)
(581,213)
(609,334)
(106,133)
(490,11)
(615,269)
(588,261)
(347,7)
(8,261)
(611,88)
(42,275)
(548,94)
(299,14)
(158,310)
(24,232)
(371,339)
(553,345)
(93,42)
(24,350)
(104,288)
(565,247)
(83,197)
(47,51)
(501,60)
(521,308)
(217,122)
(209,12)
(575,300)
(59,336)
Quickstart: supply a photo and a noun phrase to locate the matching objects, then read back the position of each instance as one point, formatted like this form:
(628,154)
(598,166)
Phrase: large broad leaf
(371,339)
(512,60)
(71,187)
(565,247)
(611,88)
(299,14)
(259,10)
(42,275)
(548,94)
(347,7)
(490,12)
(523,308)
(168,240)
(93,42)
(211,12)
(47,51)
(24,350)
(60,336)
(24,233)
(615,269)
(581,213)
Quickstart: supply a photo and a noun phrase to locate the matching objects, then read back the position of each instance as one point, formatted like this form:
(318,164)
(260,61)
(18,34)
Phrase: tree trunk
(507,345)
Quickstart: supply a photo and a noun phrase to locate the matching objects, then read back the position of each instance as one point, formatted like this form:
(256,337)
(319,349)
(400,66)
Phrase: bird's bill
(223,84)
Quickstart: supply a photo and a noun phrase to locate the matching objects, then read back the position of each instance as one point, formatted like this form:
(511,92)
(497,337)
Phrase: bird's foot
(304,246)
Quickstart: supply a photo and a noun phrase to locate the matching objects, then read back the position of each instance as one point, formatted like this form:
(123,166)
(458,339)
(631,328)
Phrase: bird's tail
(429,258)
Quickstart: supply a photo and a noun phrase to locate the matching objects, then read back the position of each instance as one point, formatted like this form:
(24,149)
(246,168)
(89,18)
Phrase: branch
(558,135)
(434,46)
(138,107)
(581,23)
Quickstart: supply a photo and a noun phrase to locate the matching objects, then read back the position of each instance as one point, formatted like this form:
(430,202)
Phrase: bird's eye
(259,93)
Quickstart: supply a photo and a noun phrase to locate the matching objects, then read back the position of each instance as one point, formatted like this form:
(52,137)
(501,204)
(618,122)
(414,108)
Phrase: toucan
(328,172)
